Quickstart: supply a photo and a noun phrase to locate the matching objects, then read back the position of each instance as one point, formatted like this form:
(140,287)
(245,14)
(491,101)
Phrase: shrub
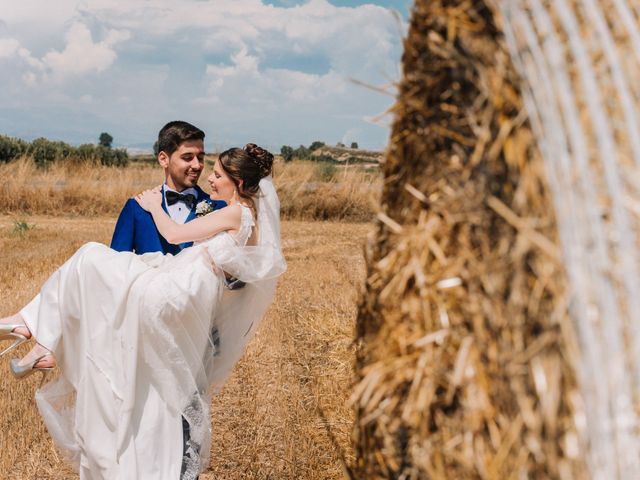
(43,152)
(63,150)
(112,158)
(326,171)
(354,144)
(11,148)
(122,157)
(302,152)
(316,145)
(287,153)
(21,227)
(87,152)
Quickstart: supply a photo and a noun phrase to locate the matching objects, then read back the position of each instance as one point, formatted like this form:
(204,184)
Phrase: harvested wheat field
(272,418)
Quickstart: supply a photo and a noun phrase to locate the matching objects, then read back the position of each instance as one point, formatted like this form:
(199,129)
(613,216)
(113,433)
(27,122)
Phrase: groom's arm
(124,232)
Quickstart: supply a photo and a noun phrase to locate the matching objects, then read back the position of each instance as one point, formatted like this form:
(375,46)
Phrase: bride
(142,340)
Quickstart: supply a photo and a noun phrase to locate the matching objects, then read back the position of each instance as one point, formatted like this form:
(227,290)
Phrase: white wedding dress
(141,339)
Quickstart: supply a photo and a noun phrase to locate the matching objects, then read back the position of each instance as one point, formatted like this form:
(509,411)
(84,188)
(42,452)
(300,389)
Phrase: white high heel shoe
(23,371)
(7,333)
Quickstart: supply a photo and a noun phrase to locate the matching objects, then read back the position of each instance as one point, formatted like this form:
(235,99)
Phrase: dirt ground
(283,414)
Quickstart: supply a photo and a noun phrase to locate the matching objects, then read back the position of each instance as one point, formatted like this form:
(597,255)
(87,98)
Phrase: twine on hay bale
(466,353)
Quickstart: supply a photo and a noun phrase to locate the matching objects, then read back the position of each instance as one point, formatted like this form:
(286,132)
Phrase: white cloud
(353,40)
(44,16)
(243,64)
(227,64)
(81,54)
(8,47)
(272,88)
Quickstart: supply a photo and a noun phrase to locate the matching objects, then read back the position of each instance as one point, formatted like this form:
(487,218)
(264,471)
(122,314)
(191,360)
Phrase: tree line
(44,151)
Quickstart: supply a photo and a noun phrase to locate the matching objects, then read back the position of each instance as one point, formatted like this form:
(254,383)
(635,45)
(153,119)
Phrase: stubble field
(272,419)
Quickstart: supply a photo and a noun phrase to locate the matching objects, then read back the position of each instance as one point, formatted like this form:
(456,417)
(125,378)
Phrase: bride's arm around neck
(227,218)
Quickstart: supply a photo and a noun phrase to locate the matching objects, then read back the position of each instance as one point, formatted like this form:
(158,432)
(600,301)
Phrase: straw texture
(466,354)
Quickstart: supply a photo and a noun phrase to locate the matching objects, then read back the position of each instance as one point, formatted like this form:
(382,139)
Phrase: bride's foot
(18,323)
(13,328)
(38,357)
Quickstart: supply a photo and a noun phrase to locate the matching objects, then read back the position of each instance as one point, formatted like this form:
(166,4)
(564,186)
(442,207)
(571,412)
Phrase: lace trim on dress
(246,225)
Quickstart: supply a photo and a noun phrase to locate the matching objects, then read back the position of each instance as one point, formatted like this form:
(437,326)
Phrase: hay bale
(465,348)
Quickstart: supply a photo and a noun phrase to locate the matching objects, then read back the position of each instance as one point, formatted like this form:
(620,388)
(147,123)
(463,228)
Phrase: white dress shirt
(178,211)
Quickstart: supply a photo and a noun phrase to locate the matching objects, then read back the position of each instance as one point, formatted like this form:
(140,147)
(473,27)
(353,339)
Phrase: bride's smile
(222,187)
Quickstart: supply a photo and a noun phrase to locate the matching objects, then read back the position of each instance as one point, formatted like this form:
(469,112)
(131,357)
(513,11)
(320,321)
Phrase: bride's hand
(150,199)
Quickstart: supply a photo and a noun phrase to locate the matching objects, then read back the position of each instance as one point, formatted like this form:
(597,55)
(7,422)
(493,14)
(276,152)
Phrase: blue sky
(401,6)
(272,72)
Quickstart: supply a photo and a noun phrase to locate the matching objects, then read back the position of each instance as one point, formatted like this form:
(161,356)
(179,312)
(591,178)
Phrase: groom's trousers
(187,452)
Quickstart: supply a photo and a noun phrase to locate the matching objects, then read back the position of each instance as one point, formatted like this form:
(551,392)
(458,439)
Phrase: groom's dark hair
(174,133)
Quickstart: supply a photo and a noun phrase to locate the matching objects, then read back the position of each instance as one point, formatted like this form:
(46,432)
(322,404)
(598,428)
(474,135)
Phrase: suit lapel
(191,216)
(201,195)
(164,200)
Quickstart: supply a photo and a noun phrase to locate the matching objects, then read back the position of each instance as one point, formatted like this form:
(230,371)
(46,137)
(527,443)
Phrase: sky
(272,72)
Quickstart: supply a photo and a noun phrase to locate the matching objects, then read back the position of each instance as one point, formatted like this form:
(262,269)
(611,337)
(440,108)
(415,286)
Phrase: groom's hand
(230,282)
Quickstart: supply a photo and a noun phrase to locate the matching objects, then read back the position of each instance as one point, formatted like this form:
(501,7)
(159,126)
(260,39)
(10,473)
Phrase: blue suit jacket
(136,232)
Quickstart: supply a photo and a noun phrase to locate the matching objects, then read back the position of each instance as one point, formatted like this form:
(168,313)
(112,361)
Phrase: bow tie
(188,199)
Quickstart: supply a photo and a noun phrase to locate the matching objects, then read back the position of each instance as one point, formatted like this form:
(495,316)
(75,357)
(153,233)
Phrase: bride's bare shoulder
(231,216)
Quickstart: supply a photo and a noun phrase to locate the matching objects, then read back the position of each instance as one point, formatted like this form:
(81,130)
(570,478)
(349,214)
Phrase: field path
(270,421)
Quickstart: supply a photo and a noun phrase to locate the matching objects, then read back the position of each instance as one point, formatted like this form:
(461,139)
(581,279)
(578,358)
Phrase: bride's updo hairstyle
(249,165)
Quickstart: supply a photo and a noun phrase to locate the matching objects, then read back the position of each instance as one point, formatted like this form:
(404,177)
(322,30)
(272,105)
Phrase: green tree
(87,152)
(354,145)
(316,145)
(287,153)
(11,148)
(105,140)
(112,157)
(302,152)
(156,148)
(43,151)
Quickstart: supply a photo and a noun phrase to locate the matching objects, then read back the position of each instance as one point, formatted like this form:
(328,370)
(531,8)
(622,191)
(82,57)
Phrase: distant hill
(349,155)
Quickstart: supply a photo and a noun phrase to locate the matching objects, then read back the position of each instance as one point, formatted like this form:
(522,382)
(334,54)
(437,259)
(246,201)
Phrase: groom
(181,155)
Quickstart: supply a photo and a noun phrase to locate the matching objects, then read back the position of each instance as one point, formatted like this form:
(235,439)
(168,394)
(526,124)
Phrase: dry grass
(308,190)
(267,420)
(307,194)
